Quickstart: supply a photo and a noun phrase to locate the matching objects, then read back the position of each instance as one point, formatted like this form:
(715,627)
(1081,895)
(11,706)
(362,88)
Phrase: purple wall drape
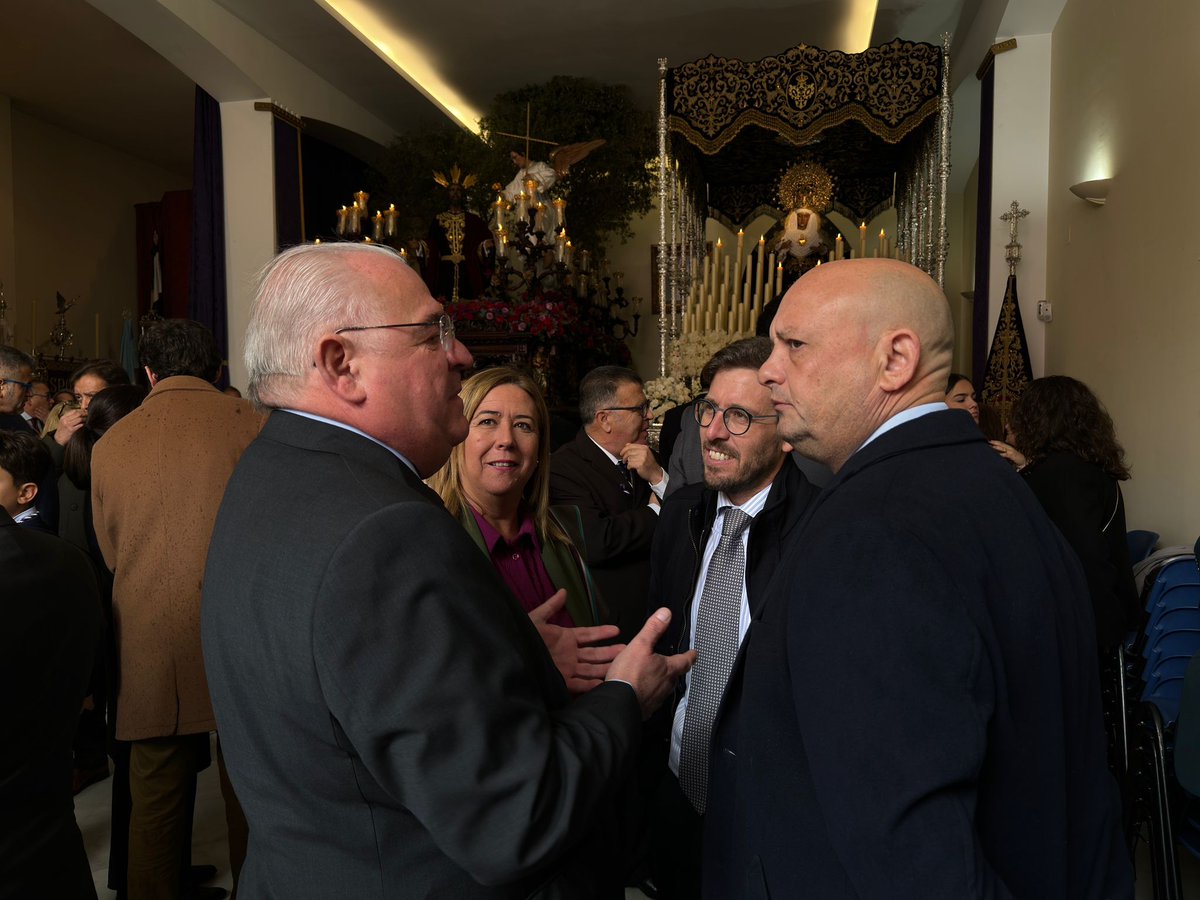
(289,215)
(983,228)
(208,298)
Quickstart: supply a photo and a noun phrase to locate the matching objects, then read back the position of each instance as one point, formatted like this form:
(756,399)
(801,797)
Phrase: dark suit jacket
(679,543)
(1086,505)
(618,527)
(917,711)
(51,629)
(678,553)
(392,723)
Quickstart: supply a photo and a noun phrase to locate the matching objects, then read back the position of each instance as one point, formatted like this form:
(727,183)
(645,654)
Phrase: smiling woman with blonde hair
(497,484)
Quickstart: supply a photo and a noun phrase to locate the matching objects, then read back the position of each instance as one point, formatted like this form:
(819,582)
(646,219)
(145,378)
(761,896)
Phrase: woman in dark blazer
(1074,465)
(497,484)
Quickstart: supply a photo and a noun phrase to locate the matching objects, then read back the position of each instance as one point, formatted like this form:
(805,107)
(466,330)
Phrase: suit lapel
(607,473)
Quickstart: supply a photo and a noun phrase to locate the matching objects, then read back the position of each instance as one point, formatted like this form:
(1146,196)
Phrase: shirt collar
(751,507)
(491,537)
(907,415)
(615,460)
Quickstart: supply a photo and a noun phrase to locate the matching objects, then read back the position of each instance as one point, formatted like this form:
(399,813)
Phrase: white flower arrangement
(669,391)
(688,354)
(685,358)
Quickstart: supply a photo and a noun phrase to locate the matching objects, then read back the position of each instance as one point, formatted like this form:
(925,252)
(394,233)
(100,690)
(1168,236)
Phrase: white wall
(247,148)
(1020,172)
(74,231)
(8,244)
(1124,277)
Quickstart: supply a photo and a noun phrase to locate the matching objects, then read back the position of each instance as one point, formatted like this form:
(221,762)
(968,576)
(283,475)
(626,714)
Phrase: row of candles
(730,296)
(885,249)
(529,201)
(352,220)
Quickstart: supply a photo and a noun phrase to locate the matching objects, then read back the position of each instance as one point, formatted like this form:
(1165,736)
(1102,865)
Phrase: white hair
(303,293)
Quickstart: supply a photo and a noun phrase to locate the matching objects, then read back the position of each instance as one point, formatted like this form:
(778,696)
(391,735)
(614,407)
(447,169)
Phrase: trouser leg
(118,845)
(675,851)
(161,773)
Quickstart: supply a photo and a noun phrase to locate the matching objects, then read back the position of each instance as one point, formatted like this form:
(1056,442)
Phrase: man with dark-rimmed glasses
(16,380)
(609,472)
(718,543)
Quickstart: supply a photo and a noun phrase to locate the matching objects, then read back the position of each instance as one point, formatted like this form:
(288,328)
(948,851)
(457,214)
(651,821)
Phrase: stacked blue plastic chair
(1141,544)
(1155,662)
(1187,756)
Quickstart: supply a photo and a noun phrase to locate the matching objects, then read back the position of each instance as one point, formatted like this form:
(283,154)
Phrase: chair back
(1187,731)
(1141,544)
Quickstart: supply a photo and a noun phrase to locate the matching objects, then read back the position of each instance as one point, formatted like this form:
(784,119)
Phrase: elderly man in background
(917,711)
(611,474)
(16,378)
(158,476)
(16,381)
(393,723)
(37,405)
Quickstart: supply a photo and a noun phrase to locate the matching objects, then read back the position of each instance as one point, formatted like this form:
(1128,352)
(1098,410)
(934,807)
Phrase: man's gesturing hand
(581,665)
(650,675)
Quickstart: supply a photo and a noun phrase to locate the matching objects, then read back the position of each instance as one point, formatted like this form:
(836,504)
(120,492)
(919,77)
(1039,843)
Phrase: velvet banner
(208,293)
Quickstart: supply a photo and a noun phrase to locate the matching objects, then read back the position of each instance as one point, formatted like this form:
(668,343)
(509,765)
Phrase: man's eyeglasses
(444,324)
(43,396)
(644,409)
(737,420)
(25,386)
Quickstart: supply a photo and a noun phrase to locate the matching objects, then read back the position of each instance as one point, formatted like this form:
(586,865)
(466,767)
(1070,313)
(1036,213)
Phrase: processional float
(855,133)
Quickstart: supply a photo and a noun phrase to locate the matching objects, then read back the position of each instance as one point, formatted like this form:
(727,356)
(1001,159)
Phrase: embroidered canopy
(859,115)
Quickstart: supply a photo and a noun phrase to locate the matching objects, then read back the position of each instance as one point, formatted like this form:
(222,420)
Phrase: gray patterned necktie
(717,639)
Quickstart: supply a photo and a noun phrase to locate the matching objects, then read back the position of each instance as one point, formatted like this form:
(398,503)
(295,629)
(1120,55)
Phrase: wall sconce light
(1092,191)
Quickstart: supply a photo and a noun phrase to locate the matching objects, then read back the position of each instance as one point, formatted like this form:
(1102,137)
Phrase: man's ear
(338,368)
(26,493)
(901,351)
(150,376)
(602,422)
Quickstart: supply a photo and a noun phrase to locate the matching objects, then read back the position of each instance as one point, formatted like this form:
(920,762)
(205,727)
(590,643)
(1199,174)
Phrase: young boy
(24,464)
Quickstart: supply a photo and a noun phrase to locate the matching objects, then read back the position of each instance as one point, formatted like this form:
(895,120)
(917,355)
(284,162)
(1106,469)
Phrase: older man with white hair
(393,724)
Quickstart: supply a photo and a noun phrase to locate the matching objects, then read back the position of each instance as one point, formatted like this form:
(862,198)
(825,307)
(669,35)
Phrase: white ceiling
(66,62)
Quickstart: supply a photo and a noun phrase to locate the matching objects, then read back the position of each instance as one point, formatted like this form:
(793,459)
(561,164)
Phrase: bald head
(886,294)
(855,343)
